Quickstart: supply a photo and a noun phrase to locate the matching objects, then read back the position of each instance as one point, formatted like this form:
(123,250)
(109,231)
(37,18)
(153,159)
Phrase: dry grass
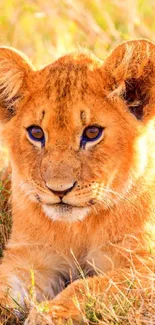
(45,30)
(134,307)
(5,210)
(134,304)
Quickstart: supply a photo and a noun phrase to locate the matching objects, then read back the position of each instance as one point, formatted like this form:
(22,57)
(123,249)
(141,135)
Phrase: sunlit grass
(131,303)
(45,30)
(5,210)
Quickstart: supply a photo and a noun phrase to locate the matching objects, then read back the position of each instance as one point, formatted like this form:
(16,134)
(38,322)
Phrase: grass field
(47,29)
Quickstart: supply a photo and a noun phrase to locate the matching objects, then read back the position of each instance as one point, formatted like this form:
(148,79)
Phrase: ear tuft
(14,70)
(130,74)
(135,97)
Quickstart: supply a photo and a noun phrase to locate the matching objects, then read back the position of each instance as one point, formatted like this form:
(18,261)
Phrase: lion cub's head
(78,131)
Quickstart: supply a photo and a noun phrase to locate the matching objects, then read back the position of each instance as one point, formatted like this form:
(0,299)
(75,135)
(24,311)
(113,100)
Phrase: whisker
(117,194)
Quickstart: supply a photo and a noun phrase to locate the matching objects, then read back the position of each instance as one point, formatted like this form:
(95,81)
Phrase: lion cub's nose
(60,190)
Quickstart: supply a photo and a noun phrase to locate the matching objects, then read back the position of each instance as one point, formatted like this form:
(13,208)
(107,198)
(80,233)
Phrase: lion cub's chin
(65,212)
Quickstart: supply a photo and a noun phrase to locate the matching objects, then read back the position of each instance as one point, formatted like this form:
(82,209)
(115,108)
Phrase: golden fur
(111,215)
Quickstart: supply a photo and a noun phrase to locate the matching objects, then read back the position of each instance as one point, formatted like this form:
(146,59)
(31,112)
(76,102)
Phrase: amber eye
(91,133)
(36,134)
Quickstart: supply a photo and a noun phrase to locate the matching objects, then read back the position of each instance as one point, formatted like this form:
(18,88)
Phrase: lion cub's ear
(131,75)
(14,72)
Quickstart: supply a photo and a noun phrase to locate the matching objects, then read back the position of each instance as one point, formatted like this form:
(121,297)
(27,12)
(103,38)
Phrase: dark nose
(61,194)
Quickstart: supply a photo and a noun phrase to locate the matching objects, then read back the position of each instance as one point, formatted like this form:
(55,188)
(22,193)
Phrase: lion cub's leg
(71,303)
(131,279)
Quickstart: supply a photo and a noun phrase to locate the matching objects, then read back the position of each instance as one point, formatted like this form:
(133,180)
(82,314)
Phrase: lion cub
(81,139)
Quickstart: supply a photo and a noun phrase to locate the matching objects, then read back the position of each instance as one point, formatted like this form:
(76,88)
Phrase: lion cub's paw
(41,318)
(37,318)
(53,317)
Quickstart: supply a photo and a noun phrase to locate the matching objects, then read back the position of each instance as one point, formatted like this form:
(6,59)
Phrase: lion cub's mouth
(65,212)
(61,206)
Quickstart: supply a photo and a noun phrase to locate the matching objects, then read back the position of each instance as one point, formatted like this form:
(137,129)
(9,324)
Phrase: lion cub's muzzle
(61,207)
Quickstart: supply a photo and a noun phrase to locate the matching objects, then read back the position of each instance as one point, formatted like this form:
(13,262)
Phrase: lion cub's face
(75,149)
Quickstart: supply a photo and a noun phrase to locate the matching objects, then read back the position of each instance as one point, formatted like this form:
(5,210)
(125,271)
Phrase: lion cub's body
(109,215)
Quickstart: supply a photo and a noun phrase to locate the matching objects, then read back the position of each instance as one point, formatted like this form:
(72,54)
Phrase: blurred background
(47,29)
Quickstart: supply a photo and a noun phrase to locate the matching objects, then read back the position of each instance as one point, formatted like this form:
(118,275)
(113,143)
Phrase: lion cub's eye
(36,134)
(91,133)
